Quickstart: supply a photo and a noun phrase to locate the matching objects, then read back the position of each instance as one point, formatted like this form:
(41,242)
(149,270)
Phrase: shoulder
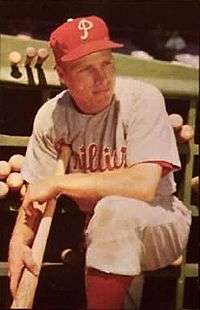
(135,89)
(135,94)
(57,102)
(52,110)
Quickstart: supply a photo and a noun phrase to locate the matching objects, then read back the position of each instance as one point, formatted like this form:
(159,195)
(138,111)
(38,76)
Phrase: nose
(99,76)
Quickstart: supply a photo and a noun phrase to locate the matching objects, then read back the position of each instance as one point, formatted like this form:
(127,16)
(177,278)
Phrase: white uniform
(124,236)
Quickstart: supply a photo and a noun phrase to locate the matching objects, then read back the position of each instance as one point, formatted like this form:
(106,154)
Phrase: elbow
(149,189)
(149,197)
(148,194)
(145,194)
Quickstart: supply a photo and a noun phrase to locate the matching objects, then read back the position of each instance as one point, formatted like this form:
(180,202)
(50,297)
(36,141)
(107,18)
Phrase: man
(121,169)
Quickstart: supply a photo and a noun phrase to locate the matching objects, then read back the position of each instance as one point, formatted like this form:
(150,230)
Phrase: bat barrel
(43,54)
(30,55)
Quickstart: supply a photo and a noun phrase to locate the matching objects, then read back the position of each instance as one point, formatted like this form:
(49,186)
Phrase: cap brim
(88,48)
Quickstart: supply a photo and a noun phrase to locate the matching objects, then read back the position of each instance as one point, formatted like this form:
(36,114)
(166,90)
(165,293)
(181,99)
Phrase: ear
(60,74)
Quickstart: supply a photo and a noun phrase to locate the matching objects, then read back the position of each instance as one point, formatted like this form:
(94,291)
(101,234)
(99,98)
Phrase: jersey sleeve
(150,136)
(41,153)
(49,130)
(166,167)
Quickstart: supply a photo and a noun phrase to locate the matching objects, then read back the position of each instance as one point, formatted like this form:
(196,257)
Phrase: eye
(109,62)
(84,69)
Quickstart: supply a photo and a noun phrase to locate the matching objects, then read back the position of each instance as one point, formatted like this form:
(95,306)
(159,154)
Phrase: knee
(118,211)
(108,201)
(114,201)
(120,206)
(109,208)
(103,212)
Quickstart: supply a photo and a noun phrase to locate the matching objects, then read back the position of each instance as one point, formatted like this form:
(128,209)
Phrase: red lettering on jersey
(92,157)
(83,157)
(76,161)
(108,155)
(98,158)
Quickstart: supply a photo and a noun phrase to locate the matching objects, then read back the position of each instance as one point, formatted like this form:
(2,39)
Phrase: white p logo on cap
(85,25)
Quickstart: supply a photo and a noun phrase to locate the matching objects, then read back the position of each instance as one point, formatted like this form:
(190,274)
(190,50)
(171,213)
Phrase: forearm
(123,182)
(139,181)
(22,231)
(20,254)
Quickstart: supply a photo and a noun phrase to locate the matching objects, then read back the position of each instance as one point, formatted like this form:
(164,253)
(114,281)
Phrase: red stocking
(106,291)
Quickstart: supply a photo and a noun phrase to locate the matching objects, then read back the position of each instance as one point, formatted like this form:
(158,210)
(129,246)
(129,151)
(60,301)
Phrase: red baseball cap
(80,37)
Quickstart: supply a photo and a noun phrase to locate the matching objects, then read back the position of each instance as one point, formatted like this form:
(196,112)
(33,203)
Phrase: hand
(20,256)
(40,191)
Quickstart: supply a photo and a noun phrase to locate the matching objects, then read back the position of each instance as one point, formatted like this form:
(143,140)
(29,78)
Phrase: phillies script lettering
(98,158)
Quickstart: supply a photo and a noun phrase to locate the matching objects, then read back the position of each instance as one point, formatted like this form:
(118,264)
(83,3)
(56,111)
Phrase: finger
(28,208)
(31,213)
(26,205)
(26,200)
(33,220)
(29,262)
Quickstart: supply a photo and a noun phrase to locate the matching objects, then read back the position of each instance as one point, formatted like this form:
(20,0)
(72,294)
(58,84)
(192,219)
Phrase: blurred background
(165,30)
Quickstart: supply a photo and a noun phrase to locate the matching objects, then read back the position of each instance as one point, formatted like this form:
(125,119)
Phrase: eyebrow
(84,65)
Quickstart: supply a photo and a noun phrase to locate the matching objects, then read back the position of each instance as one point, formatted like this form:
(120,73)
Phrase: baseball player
(121,170)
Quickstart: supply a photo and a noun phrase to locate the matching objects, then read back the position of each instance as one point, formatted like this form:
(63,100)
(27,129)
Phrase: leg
(106,291)
(126,236)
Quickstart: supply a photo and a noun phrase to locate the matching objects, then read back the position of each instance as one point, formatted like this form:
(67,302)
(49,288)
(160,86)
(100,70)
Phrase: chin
(103,99)
(100,106)
(95,104)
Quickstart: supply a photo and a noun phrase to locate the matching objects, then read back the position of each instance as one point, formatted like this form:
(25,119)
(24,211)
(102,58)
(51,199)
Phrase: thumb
(29,262)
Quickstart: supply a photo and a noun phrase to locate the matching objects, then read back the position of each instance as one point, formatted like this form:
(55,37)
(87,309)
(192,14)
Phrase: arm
(23,231)
(139,181)
(19,251)
(20,254)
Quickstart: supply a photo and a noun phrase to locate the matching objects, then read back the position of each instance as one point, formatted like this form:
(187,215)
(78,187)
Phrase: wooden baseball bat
(185,134)
(176,121)
(31,52)
(43,54)
(14,58)
(195,184)
(27,287)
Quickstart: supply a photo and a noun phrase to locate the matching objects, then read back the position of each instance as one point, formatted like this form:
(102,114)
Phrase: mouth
(101,91)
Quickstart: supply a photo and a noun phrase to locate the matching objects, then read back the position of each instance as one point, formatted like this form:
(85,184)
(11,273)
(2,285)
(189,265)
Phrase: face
(91,81)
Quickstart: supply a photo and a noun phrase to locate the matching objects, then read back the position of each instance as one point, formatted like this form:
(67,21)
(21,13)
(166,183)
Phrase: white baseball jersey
(133,129)
(125,235)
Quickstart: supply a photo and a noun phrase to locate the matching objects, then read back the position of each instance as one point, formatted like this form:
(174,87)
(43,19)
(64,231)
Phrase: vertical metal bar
(187,201)
(190,158)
